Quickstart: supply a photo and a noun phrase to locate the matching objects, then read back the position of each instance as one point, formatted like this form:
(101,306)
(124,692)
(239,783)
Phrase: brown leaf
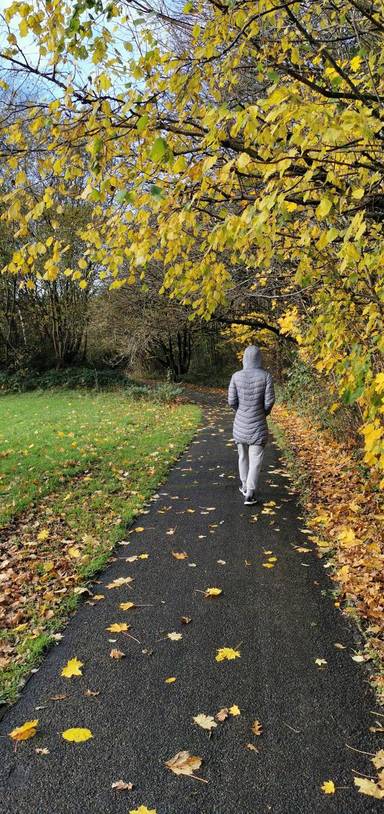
(256,728)
(91,693)
(251,747)
(58,697)
(116,654)
(184,763)
(120,785)
(180,555)
(185,620)
(222,714)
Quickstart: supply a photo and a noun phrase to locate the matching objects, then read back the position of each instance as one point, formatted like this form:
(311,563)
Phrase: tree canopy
(237,144)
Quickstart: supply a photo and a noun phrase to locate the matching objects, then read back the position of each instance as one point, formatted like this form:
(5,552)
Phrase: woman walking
(252,396)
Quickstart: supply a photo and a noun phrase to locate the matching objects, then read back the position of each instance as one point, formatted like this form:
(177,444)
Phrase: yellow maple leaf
(234,710)
(143,810)
(24,732)
(77,734)
(74,552)
(347,538)
(127,605)
(72,668)
(328,787)
(143,556)
(226,653)
(43,534)
(118,627)
(213,592)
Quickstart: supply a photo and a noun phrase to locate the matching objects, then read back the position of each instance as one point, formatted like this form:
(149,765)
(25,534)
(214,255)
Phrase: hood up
(252,357)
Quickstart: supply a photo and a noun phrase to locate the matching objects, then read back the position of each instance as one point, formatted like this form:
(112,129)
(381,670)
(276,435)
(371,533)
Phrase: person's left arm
(233,398)
(269,394)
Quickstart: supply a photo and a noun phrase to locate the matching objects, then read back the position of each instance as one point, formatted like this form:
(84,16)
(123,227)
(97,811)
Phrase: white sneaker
(249,500)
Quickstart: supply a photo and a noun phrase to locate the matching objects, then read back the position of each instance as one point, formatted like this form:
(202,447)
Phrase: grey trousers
(250,462)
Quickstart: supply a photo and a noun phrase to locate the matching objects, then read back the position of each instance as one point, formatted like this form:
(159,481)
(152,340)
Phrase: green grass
(78,466)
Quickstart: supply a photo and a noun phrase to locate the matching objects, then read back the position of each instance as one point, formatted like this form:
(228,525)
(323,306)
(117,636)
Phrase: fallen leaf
(117,583)
(118,627)
(234,710)
(226,653)
(369,787)
(139,528)
(179,555)
(116,654)
(267,564)
(183,763)
(321,662)
(328,787)
(257,728)
(131,559)
(58,697)
(120,785)
(340,646)
(127,605)
(175,637)
(91,693)
(24,732)
(72,668)
(77,734)
(74,552)
(378,759)
(213,592)
(221,562)
(170,680)
(251,747)
(143,810)
(42,750)
(185,620)
(222,714)
(205,721)
(143,556)
(98,597)
(43,534)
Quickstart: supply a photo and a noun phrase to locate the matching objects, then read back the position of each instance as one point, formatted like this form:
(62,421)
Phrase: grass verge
(78,469)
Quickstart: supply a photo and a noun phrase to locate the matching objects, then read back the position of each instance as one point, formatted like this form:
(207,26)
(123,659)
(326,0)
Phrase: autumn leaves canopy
(247,151)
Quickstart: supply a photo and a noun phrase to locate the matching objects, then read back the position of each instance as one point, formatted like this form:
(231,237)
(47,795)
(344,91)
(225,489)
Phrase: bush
(71,377)
(312,395)
(86,378)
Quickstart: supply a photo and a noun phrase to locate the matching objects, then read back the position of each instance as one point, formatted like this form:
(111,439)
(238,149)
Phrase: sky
(84,68)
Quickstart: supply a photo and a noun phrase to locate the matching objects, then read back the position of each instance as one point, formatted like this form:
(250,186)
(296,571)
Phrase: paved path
(281,619)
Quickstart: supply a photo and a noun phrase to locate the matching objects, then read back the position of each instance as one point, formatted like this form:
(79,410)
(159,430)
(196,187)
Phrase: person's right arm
(269,394)
(233,398)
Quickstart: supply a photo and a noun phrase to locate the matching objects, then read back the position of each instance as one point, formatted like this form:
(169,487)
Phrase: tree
(259,149)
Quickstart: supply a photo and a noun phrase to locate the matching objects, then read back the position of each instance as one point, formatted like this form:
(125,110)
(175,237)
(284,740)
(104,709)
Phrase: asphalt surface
(280,619)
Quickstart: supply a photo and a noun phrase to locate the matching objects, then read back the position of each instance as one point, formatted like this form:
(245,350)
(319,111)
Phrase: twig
(291,727)
(132,637)
(372,754)
(377,713)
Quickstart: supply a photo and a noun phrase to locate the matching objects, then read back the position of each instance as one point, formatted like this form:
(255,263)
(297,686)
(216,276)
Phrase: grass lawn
(75,468)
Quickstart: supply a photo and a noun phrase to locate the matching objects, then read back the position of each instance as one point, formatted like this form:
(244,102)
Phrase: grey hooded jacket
(252,395)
